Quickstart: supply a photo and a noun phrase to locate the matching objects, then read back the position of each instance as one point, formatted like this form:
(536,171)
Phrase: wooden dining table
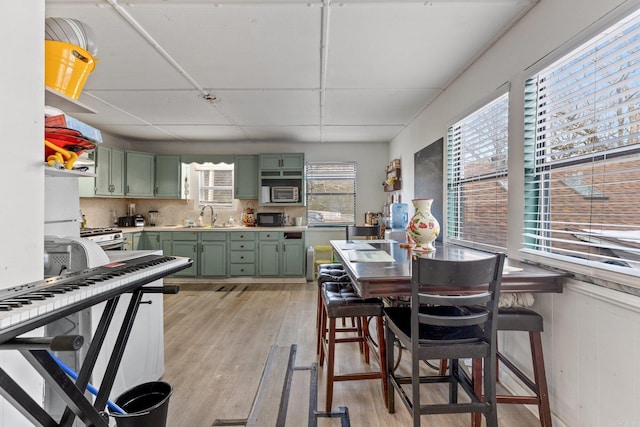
(381,268)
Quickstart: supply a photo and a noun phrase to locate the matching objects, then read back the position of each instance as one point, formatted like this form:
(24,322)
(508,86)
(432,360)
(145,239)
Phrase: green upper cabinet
(282,161)
(245,176)
(109,171)
(140,174)
(168,177)
(282,170)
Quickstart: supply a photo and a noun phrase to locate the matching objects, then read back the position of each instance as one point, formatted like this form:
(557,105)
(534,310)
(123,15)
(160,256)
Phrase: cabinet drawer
(242,269)
(242,235)
(239,257)
(184,235)
(269,235)
(213,235)
(243,246)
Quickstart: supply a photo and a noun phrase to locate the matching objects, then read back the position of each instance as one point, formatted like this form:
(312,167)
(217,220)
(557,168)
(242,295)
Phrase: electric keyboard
(27,307)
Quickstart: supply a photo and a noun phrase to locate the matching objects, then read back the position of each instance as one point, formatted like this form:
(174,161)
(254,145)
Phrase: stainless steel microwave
(284,194)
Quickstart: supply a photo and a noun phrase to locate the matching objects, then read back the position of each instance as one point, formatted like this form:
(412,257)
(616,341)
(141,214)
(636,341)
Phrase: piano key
(26,304)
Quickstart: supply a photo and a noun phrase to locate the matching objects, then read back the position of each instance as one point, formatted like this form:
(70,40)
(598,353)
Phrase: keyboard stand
(73,392)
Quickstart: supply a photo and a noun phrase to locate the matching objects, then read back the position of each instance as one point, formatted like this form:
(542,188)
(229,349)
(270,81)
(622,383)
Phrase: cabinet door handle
(284,248)
(277,248)
(195,249)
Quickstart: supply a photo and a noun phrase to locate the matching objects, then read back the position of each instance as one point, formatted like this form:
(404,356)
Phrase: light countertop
(209,228)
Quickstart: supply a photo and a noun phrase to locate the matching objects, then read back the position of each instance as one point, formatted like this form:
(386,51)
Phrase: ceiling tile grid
(277,70)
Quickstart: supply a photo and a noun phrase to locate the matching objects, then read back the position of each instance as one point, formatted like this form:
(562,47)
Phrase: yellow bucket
(66,67)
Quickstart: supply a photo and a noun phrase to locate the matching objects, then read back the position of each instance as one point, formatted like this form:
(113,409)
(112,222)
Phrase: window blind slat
(582,167)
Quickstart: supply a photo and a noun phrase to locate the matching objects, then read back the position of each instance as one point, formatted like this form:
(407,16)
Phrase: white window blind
(331,193)
(216,185)
(582,153)
(477,176)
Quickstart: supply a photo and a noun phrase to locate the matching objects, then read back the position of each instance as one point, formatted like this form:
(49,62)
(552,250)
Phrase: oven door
(112,246)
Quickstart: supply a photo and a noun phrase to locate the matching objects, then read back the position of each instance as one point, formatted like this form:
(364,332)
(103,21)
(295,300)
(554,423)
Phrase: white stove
(106,238)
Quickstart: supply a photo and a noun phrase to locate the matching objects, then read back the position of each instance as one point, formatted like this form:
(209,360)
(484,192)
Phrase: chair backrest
(460,294)
(362,231)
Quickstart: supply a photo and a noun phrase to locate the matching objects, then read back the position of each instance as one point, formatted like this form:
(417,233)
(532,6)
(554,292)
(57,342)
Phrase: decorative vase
(423,227)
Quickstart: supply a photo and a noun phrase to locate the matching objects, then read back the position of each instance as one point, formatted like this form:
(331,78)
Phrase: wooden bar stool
(527,320)
(338,302)
(328,273)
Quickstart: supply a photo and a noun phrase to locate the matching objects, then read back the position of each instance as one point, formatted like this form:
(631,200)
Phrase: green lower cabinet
(280,254)
(154,240)
(242,253)
(131,241)
(293,257)
(185,244)
(268,258)
(213,254)
(234,253)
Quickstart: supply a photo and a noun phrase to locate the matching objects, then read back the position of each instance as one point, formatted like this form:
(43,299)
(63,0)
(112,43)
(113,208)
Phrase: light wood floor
(218,339)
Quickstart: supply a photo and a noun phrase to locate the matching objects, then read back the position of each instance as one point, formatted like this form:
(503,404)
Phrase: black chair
(440,326)
(363,231)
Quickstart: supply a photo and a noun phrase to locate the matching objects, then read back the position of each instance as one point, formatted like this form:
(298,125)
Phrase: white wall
(22,212)
(591,349)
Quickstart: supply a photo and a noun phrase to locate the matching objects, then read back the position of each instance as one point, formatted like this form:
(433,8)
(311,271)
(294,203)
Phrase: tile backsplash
(97,210)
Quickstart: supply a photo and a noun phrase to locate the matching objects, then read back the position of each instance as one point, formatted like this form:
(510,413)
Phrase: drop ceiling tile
(362,134)
(125,59)
(374,107)
(140,132)
(206,133)
(415,45)
(165,107)
(283,133)
(267,46)
(271,107)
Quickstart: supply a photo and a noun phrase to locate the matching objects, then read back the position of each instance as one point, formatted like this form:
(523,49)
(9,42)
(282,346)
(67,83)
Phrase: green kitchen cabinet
(268,258)
(282,170)
(280,254)
(282,161)
(140,174)
(109,170)
(293,257)
(154,240)
(245,176)
(185,244)
(213,254)
(168,177)
(242,253)
(131,241)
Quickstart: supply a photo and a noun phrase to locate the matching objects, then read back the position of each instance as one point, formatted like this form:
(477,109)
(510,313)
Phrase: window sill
(623,279)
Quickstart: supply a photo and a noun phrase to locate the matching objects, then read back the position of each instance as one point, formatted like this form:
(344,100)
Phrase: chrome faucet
(214,215)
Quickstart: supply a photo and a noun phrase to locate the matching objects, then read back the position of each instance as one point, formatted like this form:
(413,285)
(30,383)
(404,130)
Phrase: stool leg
(319,320)
(382,349)
(330,361)
(363,333)
(323,333)
(540,378)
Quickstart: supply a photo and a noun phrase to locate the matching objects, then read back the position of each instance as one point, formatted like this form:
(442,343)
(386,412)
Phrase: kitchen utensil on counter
(153,218)
(249,217)
(138,220)
(372,218)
